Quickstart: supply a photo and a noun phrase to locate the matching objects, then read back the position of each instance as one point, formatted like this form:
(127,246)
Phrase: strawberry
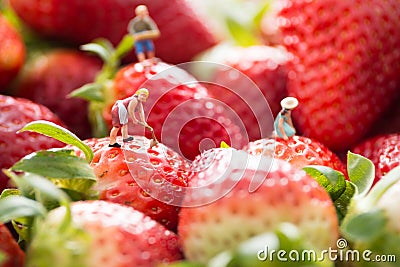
(50,77)
(101,234)
(300,151)
(15,113)
(64,21)
(14,256)
(12,53)
(179,109)
(225,209)
(119,172)
(344,68)
(255,78)
(383,151)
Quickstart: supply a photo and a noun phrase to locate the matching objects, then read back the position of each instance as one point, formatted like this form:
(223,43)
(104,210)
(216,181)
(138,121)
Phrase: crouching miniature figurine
(124,109)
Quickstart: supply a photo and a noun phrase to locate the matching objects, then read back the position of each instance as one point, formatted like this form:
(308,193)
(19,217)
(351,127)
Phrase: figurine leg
(113,137)
(141,57)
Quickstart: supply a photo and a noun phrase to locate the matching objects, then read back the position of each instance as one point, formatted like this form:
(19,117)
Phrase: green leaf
(381,186)
(57,132)
(62,167)
(98,49)
(342,203)
(3,258)
(45,187)
(10,192)
(14,207)
(99,126)
(125,46)
(333,181)
(265,6)
(241,33)
(90,92)
(361,172)
(364,227)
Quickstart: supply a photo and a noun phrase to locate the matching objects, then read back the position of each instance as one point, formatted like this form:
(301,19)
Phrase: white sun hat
(289,102)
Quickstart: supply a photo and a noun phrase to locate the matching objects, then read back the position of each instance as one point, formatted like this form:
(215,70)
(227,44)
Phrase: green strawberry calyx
(361,173)
(99,93)
(368,223)
(45,180)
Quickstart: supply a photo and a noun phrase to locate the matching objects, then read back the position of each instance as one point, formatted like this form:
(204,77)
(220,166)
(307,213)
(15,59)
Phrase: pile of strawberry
(187,201)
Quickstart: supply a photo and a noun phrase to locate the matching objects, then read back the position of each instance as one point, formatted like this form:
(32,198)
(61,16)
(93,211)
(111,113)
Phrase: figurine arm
(142,118)
(289,121)
(131,110)
(281,129)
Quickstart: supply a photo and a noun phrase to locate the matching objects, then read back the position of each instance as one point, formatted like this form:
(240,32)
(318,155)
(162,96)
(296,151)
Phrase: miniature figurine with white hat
(283,123)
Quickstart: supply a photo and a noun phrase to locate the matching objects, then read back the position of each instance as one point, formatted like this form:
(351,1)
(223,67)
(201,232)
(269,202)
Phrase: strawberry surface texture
(15,114)
(12,53)
(109,235)
(345,65)
(192,168)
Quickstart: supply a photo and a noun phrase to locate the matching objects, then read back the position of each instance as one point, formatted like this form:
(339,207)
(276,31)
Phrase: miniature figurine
(144,30)
(283,123)
(124,109)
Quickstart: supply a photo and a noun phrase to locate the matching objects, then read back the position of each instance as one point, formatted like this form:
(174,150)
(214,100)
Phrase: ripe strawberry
(120,170)
(12,53)
(179,109)
(345,65)
(225,212)
(15,113)
(102,234)
(50,77)
(15,257)
(300,151)
(178,23)
(255,78)
(383,151)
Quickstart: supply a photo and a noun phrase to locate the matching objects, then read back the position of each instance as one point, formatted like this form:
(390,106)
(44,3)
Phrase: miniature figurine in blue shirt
(144,30)
(283,123)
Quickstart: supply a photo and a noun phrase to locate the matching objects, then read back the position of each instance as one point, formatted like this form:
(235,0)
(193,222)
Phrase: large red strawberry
(225,208)
(251,81)
(12,53)
(179,109)
(298,150)
(383,151)
(183,34)
(50,77)
(101,234)
(14,114)
(13,254)
(345,65)
(120,172)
